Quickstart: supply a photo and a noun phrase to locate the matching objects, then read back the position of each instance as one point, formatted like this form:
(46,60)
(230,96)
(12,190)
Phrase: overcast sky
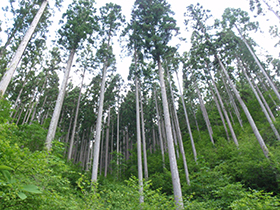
(179,7)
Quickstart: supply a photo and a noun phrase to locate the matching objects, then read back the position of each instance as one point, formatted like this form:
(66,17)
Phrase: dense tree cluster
(211,144)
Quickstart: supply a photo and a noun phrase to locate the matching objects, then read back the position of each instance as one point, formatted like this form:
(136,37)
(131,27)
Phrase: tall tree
(80,23)
(111,19)
(16,59)
(158,27)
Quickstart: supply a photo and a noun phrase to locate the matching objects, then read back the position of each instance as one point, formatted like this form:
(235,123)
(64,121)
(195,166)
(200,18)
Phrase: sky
(179,7)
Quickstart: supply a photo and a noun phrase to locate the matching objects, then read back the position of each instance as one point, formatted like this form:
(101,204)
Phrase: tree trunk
(13,65)
(143,138)
(139,153)
(159,131)
(101,152)
(232,103)
(187,120)
(171,152)
(205,114)
(107,143)
(98,126)
(224,111)
(118,136)
(59,102)
(76,118)
(248,115)
(272,10)
(178,131)
(219,109)
(262,106)
(258,63)
(265,88)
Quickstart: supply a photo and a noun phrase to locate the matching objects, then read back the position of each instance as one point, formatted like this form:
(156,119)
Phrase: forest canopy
(197,129)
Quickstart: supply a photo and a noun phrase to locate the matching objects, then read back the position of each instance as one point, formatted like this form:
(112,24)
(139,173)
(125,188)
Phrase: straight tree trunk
(178,131)
(248,115)
(205,114)
(224,111)
(196,123)
(174,132)
(171,151)
(19,115)
(143,137)
(264,101)
(187,120)
(18,97)
(76,118)
(265,88)
(101,152)
(59,102)
(118,136)
(260,94)
(258,63)
(98,126)
(159,131)
(262,106)
(154,139)
(139,148)
(219,109)
(232,103)
(107,142)
(17,57)
(67,136)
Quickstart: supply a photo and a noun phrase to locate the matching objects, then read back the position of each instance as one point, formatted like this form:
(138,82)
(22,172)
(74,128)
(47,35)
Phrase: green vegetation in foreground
(224,178)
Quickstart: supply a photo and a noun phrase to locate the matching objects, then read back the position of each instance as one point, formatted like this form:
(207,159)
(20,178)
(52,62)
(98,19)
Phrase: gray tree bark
(98,127)
(171,151)
(59,102)
(107,143)
(187,120)
(17,57)
(258,63)
(245,109)
(76,118)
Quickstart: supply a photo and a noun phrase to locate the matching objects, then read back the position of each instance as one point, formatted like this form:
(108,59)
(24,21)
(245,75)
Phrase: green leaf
(21,195)
(7,175)
(31,188)
(3,167)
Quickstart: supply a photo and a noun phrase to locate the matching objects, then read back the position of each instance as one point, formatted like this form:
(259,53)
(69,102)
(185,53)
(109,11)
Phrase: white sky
(179,7)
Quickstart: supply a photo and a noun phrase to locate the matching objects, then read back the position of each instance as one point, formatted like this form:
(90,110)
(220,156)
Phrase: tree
(80,23)
(16,59)
(111,18)
(158,27)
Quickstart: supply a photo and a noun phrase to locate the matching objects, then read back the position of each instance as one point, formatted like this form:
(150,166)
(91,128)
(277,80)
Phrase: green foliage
(5,110)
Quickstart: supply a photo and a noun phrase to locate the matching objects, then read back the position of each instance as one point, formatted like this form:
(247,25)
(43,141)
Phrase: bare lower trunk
(17,57)
(59,102)
(225,112)
(262,106)
(178,131)
(171,152)
(159,131)
(118,136)
(232,103)
(76,119)
(248,115)
(187,120)
(98,127)
(260,66)
(205,114)
(143,138)
(219,110)
(139,153)
(107,143)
